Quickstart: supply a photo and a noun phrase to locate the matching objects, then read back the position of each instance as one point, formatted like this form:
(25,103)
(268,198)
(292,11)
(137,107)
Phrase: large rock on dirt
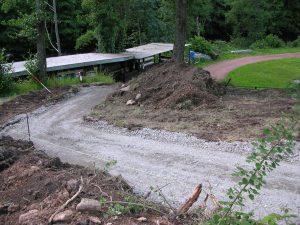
(29,217)
(72,185)
(130,102)
(63,217)
(88,205)
(125,89)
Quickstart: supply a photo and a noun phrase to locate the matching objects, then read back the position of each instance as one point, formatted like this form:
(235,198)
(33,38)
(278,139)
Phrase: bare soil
(34,181)
(31,101)
(187,100)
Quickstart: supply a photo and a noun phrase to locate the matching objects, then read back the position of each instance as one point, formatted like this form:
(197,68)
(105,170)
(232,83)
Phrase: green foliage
(221,46)
(25,86)
(85,40)
(270,41)
(200,44)
(296,43)
(6,81)
(109,165)
(31,65)
(267,154)
(128,206)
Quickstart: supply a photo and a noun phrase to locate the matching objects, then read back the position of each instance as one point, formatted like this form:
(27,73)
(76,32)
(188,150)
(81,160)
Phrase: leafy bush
(6,80)
(85,40)
(270,41)
(200,44)
(221,46)
(31,65)
(241,42)
(296,43)
(274,41)
(269,151)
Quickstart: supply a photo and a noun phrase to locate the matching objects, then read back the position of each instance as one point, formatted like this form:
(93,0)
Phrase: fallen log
(189,203)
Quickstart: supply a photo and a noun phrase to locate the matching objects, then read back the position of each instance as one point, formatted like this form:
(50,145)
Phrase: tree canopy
(112,25)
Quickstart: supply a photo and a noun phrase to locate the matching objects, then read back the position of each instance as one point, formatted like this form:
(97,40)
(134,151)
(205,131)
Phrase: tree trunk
(180,33)
(198,26)
(41,49)
(56,28)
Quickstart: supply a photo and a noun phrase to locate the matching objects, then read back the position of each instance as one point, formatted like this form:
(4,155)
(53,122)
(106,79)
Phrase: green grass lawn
(269,74)
(227,55)
(25,86)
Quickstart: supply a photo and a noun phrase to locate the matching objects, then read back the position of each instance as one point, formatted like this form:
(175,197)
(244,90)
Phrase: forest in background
(112,25)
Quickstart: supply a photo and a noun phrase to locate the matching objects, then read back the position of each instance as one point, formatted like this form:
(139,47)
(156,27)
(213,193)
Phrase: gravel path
(148,158)
(220,70)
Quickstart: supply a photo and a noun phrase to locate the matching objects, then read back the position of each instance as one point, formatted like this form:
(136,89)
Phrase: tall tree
(40,41)
(56,27)
(180,33)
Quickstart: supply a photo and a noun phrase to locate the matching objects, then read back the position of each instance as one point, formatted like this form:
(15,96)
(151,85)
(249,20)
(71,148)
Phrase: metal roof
(90,59)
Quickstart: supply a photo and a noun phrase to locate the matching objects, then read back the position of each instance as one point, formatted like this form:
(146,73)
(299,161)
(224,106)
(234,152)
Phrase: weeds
(268,152)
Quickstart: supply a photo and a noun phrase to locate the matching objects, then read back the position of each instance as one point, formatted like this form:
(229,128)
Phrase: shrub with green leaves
(296,43)
(270,41)
(6,80)
(200,44)
(268,152)
(221,46)
(31,65)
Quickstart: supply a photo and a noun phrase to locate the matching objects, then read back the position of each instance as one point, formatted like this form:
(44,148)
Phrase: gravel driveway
(220,70)
(148,158)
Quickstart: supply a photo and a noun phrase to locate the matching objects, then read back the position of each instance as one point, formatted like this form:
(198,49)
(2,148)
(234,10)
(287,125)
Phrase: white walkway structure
(80,61)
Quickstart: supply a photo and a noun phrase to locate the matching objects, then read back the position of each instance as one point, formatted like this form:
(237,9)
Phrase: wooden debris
(188,204)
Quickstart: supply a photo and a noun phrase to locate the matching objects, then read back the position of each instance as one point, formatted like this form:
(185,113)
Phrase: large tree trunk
(180,33)
(56,28)
(41,48)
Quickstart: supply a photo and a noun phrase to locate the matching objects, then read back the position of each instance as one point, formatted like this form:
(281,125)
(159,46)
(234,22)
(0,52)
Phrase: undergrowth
(25,86)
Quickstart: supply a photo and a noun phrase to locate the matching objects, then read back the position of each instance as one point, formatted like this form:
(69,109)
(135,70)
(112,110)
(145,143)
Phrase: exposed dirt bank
(34,186)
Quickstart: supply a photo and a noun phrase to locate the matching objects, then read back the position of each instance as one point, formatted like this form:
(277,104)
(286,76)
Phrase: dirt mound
(169,85)
(33,186)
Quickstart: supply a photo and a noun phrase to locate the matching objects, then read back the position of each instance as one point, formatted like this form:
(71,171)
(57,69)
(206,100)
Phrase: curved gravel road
(148,158)
(220,70)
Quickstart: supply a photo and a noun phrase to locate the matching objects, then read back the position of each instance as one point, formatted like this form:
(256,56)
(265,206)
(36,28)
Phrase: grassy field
(269,74)
(227,55)
(25,86)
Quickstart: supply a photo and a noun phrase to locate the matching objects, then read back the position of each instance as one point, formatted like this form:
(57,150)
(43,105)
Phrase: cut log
(188,204)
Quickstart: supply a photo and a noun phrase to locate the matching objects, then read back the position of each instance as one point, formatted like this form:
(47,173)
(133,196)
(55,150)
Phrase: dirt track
(151,157)
(220,70)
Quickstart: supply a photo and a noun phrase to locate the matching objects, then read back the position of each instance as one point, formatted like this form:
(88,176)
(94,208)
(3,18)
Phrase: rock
(138,96)
(72,185)
(88,205)
(125,89)
(94,220)
(55,163)
(63,217)
(142,219)
(130,102)
(29,217)
(13,208)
